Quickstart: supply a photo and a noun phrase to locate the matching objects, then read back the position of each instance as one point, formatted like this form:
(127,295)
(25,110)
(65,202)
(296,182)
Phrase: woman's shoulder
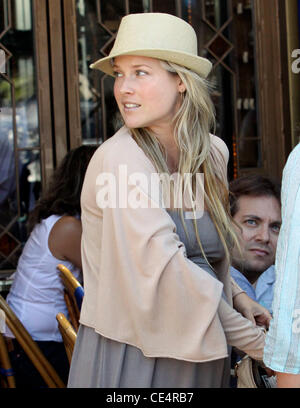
(64,239)
(221,146)
(45,224)
(67,221)
(121,149)
(119,139)
(65,226)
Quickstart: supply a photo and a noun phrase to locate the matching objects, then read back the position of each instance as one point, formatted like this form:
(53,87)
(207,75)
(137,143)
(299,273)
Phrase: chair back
(6,370)
(73,294)
(30,347)
(68,334)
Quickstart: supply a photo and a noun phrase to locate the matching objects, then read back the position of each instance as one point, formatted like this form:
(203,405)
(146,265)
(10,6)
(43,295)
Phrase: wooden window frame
(58,87)
(273,99)
(57,80)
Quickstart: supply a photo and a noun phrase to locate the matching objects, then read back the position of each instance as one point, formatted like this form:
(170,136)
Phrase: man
(256,209)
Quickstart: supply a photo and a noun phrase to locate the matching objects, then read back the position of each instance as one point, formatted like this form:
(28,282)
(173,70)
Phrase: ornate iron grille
(19,137)
(216,23)
(224,30)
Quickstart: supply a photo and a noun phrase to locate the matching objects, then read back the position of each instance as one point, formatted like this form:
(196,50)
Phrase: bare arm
(252,310)
(285,380)
(65,240)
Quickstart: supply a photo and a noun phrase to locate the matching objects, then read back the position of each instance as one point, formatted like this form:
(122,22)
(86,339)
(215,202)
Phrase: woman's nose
(126,85)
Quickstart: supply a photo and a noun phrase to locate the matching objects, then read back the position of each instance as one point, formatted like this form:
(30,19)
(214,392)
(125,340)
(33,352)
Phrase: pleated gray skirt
(99,362)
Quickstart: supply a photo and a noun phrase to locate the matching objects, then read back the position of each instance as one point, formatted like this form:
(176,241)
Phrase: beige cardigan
(140,288)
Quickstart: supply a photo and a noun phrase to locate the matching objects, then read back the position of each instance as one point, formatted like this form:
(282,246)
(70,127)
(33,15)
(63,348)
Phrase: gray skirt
(99,362)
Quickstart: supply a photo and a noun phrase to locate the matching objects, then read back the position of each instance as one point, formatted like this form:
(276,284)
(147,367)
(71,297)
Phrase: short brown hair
(254,186)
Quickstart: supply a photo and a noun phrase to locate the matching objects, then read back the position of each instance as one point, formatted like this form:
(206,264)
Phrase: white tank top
(37,293)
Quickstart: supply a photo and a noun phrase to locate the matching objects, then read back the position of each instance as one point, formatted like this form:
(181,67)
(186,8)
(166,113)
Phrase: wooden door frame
(57,80)
(58,85)
(272,85)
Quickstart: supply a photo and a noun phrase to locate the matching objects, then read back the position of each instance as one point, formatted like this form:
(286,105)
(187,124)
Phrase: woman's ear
(181,86)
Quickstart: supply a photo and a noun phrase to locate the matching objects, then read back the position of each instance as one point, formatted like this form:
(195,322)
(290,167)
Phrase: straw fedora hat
(156,35)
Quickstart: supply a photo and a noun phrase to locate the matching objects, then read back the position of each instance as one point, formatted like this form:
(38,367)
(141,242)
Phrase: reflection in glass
(222,81)
(20,177)
(7,165)
(14,212)
(139,6)
(30,179)
(249,153)
(11,247)
(9,231)
(96,25)
(113,121)
(215,12)
(3,15)
(166,6)
(112,13)
(205,33)
(21,71)
(220,46)
(248,140)
(91,39)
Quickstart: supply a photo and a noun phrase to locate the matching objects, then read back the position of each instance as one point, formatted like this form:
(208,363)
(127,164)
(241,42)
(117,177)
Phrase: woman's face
(147,95)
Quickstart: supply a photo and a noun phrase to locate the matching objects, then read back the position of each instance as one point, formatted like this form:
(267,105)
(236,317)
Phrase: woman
(155,313)
(281,353)
(37,293)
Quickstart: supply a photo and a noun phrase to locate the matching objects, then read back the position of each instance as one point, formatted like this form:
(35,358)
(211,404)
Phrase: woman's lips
(128,106)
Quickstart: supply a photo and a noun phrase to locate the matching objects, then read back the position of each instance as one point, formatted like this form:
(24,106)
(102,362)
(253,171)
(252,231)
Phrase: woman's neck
(167,140)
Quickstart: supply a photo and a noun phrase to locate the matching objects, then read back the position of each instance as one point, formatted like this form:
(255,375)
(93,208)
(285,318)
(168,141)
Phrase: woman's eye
(141,73)
(250,222)
(117,74)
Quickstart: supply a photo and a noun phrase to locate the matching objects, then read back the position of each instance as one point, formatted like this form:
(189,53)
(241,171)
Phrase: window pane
(166,6)
(139,6)
(249,153)
(19,132)
(96,24)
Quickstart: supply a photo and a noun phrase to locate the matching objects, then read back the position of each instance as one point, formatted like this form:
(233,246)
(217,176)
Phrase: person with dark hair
(255,207)
(37,293)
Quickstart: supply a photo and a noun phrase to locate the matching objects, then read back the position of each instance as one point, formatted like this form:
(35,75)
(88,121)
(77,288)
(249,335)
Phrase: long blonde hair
(192,125)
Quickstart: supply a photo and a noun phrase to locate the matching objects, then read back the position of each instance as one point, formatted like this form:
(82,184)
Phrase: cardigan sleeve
(241,333)
(170,303)
(282,352)
(140,287)
(236,290)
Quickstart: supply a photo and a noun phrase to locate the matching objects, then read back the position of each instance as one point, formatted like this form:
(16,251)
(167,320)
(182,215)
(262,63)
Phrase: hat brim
(201,66)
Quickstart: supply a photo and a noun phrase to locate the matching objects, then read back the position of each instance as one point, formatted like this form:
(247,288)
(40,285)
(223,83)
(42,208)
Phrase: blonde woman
(157,310)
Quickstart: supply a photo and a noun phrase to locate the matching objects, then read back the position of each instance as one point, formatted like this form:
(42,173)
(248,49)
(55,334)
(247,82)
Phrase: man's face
(259,219)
